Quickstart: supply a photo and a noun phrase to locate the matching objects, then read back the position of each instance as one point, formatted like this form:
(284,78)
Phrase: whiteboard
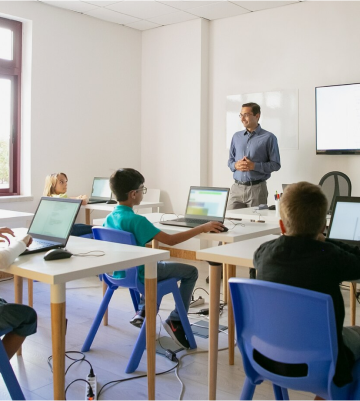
(279,115)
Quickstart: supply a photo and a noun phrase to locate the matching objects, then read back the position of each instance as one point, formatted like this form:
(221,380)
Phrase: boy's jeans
(186,273)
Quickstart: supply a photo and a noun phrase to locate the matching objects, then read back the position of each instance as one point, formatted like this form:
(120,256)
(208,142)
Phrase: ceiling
(149,14)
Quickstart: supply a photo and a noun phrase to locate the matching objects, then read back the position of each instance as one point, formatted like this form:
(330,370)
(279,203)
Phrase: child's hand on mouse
(214,226)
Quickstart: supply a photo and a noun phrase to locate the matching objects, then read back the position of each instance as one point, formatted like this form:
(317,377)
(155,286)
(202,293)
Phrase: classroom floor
(113,344)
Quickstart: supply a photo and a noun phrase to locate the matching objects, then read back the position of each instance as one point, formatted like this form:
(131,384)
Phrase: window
(10,101)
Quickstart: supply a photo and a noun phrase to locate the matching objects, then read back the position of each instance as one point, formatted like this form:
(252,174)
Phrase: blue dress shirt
(260,147)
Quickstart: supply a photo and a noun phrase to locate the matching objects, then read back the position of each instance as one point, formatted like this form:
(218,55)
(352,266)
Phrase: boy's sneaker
(138,319)
(176,332)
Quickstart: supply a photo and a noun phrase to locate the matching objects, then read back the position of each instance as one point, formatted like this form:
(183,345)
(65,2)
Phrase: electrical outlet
(197,302)
(92,380)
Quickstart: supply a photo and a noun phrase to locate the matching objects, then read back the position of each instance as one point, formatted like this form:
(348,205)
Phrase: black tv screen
(338,119)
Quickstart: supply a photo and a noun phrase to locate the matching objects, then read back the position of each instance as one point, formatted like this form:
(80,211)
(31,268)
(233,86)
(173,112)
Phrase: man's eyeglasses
(245,115)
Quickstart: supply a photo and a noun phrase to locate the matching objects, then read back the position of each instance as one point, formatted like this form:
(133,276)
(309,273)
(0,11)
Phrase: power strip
(197,302)
(93,382)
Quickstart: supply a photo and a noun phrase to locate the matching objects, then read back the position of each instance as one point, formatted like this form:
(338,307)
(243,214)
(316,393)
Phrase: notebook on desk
(204,204)
(52,223)
(101,192)
(345,220)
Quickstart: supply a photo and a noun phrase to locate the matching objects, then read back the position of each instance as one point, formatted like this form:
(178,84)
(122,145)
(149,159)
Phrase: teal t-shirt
(124,218)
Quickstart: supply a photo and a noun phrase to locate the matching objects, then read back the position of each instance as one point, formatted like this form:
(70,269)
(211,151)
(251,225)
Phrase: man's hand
(244,164)
(213,226)
(3,231)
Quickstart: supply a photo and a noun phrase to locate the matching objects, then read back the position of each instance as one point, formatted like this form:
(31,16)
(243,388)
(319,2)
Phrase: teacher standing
(254,155)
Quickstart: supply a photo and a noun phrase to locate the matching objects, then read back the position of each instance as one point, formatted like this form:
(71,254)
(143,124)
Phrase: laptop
(101,192)
(52,223)
(345,220)
(204,204)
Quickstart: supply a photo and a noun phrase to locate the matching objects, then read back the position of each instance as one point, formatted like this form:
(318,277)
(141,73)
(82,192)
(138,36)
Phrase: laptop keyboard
(36,244)
(196,221)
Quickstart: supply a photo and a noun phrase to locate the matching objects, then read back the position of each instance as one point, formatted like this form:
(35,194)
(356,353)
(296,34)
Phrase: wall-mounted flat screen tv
(338,119)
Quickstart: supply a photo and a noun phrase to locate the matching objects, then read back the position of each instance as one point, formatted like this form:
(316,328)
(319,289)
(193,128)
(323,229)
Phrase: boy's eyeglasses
(143,189)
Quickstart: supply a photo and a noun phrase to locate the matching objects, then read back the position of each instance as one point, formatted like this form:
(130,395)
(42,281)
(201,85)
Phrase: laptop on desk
(204,204)
(52,223)
(345,220)
(101,192)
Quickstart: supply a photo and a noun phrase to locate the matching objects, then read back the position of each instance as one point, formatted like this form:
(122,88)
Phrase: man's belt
(248,183)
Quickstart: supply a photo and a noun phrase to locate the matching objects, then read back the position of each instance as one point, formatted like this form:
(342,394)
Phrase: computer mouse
(272,207)
(111,202)
(224,230)
(55,254)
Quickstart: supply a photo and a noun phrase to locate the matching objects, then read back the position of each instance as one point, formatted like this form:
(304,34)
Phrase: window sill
(16,198)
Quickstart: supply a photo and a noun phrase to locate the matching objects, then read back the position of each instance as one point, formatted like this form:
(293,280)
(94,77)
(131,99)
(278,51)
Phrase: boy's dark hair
(255,108)
(303,209)
(123,181)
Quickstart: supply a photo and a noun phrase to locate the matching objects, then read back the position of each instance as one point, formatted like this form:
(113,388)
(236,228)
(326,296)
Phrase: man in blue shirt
(254,155)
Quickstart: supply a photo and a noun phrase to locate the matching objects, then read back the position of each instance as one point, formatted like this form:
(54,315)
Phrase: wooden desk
(12,219)
(109,208)
(240,253)
(58,272)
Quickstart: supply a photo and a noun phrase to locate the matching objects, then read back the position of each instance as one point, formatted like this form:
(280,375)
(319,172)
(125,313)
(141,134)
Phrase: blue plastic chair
(132,282)
(294,327)
(8,374)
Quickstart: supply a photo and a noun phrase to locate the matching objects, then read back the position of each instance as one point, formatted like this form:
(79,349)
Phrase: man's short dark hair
(123,181)
(255,108)
(303,209)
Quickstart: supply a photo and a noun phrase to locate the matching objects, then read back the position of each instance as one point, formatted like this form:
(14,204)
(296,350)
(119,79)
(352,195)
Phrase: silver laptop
(101,192)
(345,220)
(204,204)
(52,223)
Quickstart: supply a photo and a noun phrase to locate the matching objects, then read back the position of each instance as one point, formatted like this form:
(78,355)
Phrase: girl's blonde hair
(50,183)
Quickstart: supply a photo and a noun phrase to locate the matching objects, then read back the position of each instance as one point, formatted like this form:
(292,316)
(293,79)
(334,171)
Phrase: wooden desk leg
(18,290)
(150,313)
(231,323)
(214,282)
(225,270)
(30,292)
(58,307)
(155,244)
(87,216)
(106,314)
(352,303)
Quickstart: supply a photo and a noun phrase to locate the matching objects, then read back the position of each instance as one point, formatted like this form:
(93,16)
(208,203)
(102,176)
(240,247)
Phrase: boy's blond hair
(303,209)
(50,183)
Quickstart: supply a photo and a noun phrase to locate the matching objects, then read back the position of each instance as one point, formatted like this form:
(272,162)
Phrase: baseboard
(179,253)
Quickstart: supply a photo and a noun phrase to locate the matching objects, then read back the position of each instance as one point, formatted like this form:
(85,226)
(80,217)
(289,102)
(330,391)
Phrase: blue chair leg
(9,376)
(184,319)
(278,392)
(247,392)
(285,394)
(96,323)
(137,351)
(135,297)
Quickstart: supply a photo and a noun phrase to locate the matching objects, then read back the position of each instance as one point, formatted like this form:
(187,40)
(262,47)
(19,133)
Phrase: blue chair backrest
(130,279)
(289,325)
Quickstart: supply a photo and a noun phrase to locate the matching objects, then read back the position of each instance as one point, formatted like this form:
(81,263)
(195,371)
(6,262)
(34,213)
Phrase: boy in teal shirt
(128,187)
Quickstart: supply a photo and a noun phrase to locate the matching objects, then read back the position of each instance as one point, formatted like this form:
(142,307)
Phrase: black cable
(6,279)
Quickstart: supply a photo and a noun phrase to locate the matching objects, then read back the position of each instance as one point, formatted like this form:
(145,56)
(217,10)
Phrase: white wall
(173,116)
(302,46)
(85,97)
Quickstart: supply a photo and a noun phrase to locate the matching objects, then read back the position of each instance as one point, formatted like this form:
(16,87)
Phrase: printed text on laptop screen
(54,218)
(204,202)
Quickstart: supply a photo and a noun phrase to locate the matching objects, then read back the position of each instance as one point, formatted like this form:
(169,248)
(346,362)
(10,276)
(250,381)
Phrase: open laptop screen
(345,220)
(101,188)
(54,218)
(207,202)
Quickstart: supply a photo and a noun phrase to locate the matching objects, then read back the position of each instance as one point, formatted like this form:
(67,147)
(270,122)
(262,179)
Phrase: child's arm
(84,199)
(175,239)
(10,253)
